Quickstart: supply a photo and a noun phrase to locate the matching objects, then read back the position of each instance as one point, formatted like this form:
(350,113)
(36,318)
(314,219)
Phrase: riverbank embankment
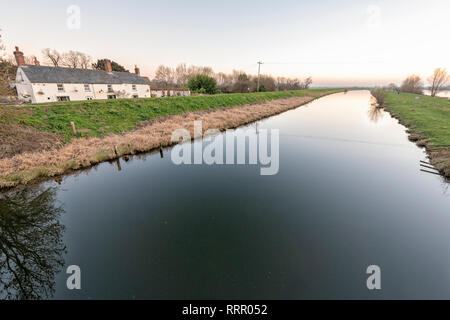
(428,122)
(94,145)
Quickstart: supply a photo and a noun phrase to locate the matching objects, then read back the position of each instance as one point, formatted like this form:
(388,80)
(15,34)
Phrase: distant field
(97,118)
(427,116)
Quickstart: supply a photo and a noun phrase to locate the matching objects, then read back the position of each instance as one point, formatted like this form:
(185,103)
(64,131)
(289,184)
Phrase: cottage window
(87,88)
(60,87)
(110,88)
(134,87)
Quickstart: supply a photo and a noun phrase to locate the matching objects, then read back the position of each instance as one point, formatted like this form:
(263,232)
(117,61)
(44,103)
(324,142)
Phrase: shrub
(203,84)
(379,95)
(412,84)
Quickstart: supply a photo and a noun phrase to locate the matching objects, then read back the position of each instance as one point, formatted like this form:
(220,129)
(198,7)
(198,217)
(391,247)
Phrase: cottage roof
(45,74)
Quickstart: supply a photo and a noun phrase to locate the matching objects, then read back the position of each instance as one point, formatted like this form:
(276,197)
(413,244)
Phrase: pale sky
(336,42)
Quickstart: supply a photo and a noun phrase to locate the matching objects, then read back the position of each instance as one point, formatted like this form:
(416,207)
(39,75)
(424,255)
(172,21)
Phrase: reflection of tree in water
(375,113)
(445,183)
(31,247)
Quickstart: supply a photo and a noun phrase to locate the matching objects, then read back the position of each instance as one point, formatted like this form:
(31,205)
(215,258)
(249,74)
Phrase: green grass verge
(427,116)
(99,117)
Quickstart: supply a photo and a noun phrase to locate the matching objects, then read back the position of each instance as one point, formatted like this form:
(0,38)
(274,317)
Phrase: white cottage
(36,83)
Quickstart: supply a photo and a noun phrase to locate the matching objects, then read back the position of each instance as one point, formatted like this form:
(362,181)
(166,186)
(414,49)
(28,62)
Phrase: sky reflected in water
(349,194)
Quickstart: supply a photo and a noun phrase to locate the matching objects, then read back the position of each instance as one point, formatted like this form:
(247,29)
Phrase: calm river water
(349,194)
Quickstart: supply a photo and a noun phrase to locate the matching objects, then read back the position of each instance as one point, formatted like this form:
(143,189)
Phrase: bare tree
(71,59)
(224,82)
(181,74)
(290,84)
(266,83)
(52,57)
(306,83)
(30,59)
(241,83)
(392,86)
(7,72)
(85,60)
(237,81)
(280,82)
(31,244)
(2,48)
(193,71)
(196,70)
(76,59)
(438,80)
(221,78)
(207,71)
(164,76)
(412,84)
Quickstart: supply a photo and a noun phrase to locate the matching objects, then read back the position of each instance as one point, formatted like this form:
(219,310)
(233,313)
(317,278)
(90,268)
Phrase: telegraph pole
(259,72)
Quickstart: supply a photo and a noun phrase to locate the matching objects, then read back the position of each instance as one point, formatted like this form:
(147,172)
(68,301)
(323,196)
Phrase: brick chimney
(36,62)
(137,71)
(19,57)
(108,67)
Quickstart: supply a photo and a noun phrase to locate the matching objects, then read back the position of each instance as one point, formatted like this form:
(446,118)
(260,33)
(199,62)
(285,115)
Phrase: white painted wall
(24,87)
(158,93)
(48,92)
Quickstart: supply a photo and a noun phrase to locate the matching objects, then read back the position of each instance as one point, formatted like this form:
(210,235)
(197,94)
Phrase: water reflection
(31,246)
(349,194)
(375,113)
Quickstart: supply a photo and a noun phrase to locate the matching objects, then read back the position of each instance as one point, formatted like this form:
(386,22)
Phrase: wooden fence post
(73,127)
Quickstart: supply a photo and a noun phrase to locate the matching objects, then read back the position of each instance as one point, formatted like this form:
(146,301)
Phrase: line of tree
(74,59)
(178,77)
(236,82)
(182,76)
(414,84)
(70,59)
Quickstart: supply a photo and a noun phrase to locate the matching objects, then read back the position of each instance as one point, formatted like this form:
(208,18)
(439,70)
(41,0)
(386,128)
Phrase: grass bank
(428,121)
(126,131)
(98,118)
